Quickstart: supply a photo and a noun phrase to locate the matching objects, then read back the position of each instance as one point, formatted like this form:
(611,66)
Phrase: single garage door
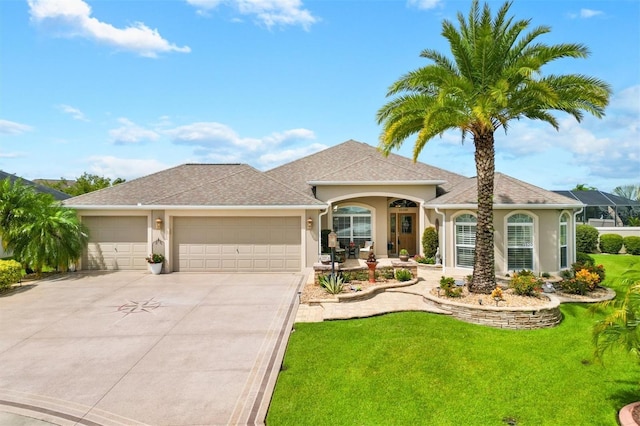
(116,242)
(239,244)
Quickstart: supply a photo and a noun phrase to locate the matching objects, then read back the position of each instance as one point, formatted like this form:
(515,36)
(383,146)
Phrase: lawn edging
(364,294)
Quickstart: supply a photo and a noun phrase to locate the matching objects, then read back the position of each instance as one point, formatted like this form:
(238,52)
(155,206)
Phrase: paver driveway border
(127,348)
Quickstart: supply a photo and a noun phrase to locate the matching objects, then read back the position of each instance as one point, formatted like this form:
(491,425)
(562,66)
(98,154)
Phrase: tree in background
(493,77)
(584,187)
(631,192)
(83,184)
(38,230)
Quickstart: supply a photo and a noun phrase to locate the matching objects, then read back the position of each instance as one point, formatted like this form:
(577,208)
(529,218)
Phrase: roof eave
(375,182)
(182,207)
(509,206)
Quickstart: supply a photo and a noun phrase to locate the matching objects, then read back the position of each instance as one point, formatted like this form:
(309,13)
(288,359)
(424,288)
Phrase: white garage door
(244,244)
(116,242)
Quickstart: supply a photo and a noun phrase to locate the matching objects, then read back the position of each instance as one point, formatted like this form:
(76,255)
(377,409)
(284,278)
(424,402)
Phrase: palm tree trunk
(484,274)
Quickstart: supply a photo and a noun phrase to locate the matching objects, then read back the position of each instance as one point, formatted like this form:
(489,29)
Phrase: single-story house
(232,217)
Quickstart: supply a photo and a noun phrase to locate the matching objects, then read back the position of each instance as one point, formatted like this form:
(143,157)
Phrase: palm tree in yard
(493,77)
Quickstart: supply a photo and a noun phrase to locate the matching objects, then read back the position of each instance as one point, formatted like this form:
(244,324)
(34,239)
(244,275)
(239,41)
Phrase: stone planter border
(365,294)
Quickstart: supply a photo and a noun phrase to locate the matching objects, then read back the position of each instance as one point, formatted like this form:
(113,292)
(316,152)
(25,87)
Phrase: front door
(402,232)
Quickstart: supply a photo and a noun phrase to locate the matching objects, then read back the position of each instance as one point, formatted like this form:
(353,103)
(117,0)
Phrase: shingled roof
(508,193)
(357,162)
(205,185)
(58,195)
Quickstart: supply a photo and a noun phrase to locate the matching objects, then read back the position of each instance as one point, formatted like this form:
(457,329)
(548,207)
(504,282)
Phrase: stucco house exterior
(232,217)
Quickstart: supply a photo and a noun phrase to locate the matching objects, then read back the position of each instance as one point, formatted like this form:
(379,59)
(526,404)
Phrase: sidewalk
(392,300)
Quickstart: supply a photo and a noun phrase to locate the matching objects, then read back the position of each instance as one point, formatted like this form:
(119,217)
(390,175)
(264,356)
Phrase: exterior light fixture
(158,223)
(309,224)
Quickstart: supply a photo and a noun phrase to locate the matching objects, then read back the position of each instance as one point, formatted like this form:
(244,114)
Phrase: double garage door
(242,244)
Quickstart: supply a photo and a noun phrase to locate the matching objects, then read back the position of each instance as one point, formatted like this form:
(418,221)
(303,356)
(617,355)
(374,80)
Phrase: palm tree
(631,192)
(493,78)
(16,201)
(621,328)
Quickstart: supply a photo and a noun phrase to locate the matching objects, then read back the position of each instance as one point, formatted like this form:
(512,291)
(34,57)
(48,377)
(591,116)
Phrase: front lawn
(420,368)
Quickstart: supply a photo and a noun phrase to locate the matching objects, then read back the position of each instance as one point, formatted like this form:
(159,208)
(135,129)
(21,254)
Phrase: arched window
(520,242)
(563,241)
(403,203)
(352,223)
(465,240)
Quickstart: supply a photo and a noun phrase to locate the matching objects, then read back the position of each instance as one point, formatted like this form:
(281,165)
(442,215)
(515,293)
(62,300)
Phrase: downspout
(444,240)
(575,224)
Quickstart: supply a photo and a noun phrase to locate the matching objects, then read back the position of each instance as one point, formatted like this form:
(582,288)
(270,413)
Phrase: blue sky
(126,88)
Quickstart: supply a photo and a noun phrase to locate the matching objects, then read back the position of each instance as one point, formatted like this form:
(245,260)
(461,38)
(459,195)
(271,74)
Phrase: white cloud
(10,154)
(423,4)
(589,13)
(131,133)
(267,12)
(12,128)
(74,17)
(127,168)
(274,159)
(75,113)
(219,143)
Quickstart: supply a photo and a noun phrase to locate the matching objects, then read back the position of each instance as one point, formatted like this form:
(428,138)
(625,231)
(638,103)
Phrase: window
(519,242)
(465,240)
(564,249)
(352,223)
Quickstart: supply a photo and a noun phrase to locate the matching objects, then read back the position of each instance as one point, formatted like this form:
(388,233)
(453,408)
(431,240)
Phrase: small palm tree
(621,328)
(494,77)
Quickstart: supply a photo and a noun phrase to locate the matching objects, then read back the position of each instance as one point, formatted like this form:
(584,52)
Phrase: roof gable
(198,185)
(508,191)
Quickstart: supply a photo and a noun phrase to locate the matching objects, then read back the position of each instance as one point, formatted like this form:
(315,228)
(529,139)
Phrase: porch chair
(364,251)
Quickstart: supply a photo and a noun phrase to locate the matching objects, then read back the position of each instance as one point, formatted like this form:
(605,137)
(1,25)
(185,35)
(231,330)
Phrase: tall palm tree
(494,77)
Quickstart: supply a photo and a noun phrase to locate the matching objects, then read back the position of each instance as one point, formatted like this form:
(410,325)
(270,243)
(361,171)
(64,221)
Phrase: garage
(116,242)
(237,244)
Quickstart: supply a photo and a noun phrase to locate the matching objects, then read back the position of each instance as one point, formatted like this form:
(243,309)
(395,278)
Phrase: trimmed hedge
(586,238)
(632,245)
(610,243)
(430,241)
(10,273)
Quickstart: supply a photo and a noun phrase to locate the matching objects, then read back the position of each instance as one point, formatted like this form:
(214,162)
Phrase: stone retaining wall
(512,318)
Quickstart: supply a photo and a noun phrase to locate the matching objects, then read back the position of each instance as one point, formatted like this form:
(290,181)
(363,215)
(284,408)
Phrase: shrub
(573,286)
(448,284)
(10,273)
(586,238)
(387,273)
(545,275)
(430,241)
(497,293)
(584,259)
(610,243)
(333,284)
(598,269)
(632,245)
(525,283)
(424,260)
(403,275)
(590,279)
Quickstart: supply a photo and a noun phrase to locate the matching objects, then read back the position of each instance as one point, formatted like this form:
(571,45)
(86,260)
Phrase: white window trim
(536,239)
(567,244)
(355,204)
(455,237)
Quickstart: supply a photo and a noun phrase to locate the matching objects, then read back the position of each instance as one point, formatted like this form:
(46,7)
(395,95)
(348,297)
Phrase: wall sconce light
(309,224)
(158,223)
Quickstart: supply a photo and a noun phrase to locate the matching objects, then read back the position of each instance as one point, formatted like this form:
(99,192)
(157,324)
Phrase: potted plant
(155,262)
(372,262)
(404,255)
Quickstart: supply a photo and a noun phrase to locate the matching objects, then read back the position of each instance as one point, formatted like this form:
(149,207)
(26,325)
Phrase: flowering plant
(155,258)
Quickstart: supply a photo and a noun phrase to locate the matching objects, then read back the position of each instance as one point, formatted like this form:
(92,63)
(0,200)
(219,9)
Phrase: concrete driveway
(128,348)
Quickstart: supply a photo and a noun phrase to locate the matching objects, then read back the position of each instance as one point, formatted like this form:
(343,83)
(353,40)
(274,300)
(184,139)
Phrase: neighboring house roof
(598,198)
(508,192)
(359,163)
(63,183)
(58,195)
(198,185)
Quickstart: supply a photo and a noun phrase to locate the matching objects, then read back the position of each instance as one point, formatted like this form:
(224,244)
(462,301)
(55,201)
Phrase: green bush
(632,245)
(525,283)
(574,286)
(403,275)
(448,284)
(610,243)
(10,273)
(387,273)
(586,238)
(596,269)
(424,260)
(430,241)
(584,259)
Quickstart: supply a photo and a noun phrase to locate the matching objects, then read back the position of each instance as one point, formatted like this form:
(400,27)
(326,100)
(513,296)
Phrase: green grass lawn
(419,368)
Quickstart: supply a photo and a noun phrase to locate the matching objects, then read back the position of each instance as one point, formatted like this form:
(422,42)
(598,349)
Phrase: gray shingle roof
(58,195)
(508,191)
(356,161)
(198,185)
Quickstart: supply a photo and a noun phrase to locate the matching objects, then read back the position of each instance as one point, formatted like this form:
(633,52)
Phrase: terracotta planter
(156,268)
(372,271)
